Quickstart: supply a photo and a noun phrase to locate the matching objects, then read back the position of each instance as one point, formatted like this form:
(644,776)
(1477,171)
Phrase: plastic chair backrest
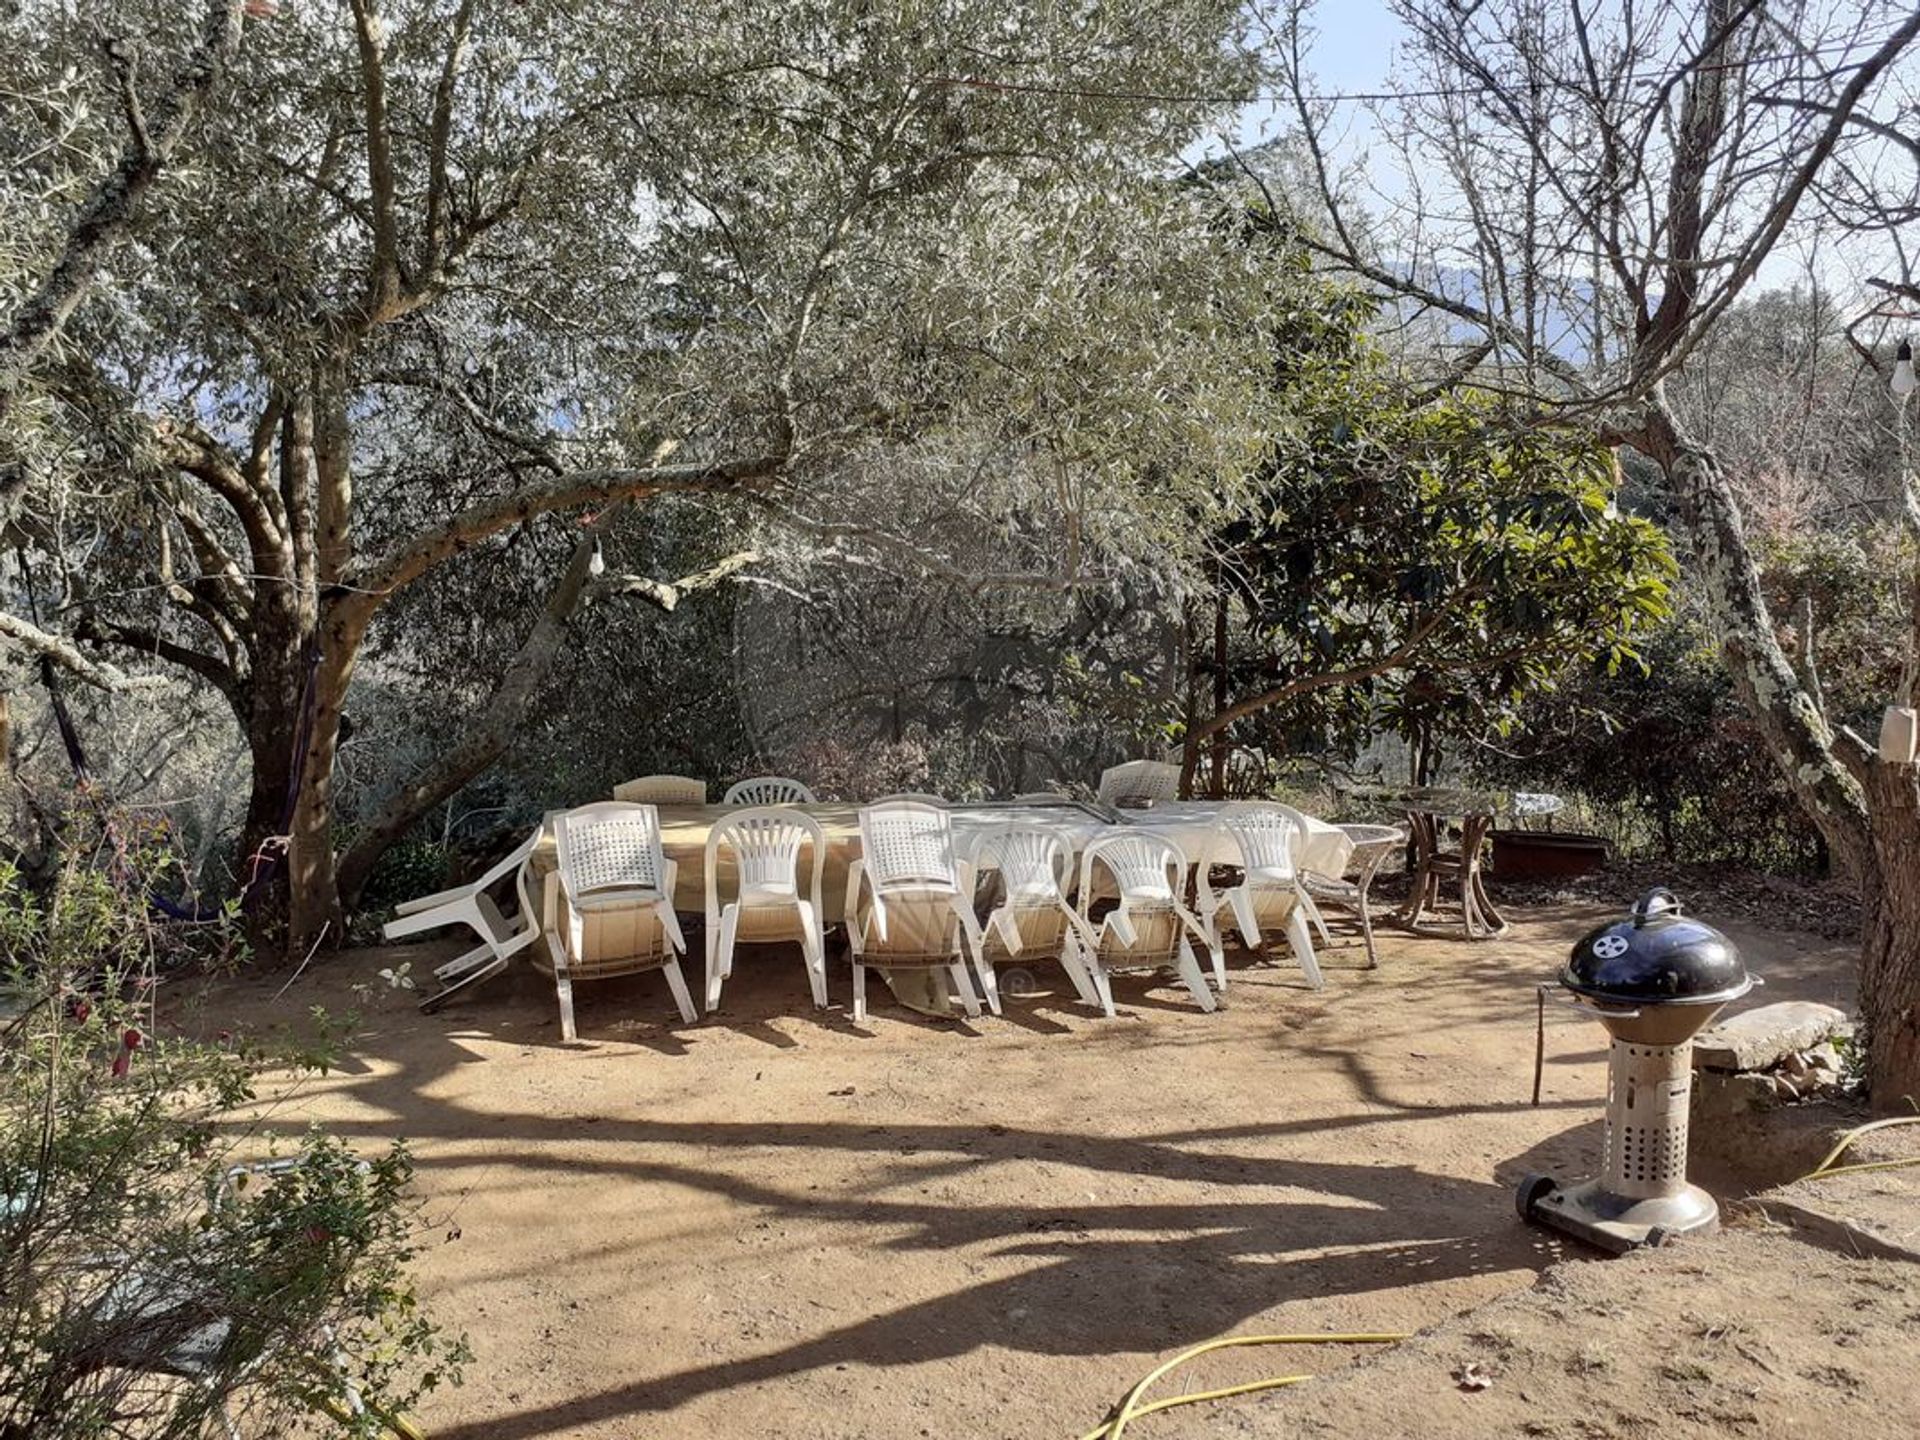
(912,797)
(1139,863)
(1139,780)
(766,844)
(610,845)
(908,845)
(662,790)
(1266,835)
(1034,860)
(768,790)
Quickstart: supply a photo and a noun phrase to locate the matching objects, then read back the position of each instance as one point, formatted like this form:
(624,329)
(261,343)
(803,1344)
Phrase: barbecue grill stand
(1654,980)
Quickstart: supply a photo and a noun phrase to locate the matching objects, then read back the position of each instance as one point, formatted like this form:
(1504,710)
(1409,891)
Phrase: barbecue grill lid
(1656,956)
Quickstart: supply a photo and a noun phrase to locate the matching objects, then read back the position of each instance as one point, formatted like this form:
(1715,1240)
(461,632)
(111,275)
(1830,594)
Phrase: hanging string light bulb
(597,566)
(1903,383)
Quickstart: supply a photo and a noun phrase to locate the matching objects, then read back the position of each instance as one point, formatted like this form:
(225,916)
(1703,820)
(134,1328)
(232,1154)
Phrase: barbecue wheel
(1531,1190)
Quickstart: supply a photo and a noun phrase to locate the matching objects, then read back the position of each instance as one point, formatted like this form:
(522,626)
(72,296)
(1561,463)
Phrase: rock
(1758,1038)
(1717,1097)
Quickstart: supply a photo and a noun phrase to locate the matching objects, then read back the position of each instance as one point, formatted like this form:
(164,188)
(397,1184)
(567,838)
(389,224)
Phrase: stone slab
(1758,1038)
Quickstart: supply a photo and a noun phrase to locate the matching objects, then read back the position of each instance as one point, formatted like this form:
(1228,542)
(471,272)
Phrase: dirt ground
(1749,1334)
(776,1224)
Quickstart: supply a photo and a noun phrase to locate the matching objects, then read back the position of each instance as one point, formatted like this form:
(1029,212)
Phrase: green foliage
(1669,747)
(1417,560)
(1851,579)
(411,867)
(1665,746)
(146,1284)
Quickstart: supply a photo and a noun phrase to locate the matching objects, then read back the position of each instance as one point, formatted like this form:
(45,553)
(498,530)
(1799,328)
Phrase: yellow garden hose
(1826,1167)
(1131,1409)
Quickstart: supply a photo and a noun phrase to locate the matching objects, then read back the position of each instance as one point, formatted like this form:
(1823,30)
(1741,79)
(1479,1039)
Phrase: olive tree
(421,273)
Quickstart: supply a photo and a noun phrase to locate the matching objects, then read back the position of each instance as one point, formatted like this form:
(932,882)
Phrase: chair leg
(963,987)
(1196,982)
(814,951)
(1077,974)
(989,983)
(466,960)
(1301,939)
(1313,914)
(682,997)
(563,986)
(1217,957)
(720,955)
(1244,918)
(1366,932)
(1103,986)
(859,993)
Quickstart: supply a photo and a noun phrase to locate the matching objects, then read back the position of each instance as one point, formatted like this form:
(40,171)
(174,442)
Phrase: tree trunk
(1217,783)
(1796,732)
(315,915)
(486,738)
(1190,667)
(1890,953)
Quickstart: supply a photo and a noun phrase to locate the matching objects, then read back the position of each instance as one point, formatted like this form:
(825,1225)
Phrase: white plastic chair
(1138,783)
(1271,891)
(470,905)
(768,903)
(662,790)
(1032,920)
(768,790)
(919,900)
(609,903)
(913,797)
(1150,928)
(1372,845)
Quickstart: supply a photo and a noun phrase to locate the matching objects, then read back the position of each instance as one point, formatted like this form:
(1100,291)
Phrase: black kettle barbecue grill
(1654,979)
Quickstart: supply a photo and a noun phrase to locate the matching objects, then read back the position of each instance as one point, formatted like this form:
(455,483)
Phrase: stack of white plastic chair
(470,905)
(1151,928)
(768,790)
(1033,863)
(768,903)
(609,903)
(662,790)
(910,900)
(1271,893)
(1138,783)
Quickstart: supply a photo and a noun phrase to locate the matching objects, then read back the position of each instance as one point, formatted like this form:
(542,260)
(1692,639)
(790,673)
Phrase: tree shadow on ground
(1101,1278)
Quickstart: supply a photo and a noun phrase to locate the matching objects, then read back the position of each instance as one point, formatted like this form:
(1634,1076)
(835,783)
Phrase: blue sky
(1355,44)
(1352,52)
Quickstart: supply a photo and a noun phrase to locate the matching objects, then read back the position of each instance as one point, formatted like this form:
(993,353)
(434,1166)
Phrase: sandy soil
(1748,1335)
(776,1224)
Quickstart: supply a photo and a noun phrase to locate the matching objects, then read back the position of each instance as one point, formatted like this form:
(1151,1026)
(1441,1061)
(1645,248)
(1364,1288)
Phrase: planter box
(1546,854)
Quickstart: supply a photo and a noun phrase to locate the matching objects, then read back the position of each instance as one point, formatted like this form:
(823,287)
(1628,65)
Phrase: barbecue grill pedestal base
(1615,1223)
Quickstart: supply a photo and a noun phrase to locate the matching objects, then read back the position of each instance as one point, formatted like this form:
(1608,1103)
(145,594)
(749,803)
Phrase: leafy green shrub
(147,1284)
(412,867)
(1669,748)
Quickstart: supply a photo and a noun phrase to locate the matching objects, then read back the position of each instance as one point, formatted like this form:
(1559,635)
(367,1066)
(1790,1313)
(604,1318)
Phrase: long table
(1193,825)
